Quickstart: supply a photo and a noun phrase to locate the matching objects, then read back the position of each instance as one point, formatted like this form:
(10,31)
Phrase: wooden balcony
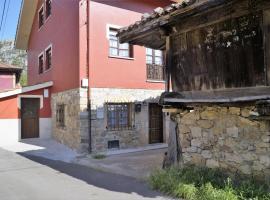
(155,72)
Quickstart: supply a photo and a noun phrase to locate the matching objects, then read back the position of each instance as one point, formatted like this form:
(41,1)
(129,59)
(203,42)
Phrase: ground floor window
(60,115)
(119,116)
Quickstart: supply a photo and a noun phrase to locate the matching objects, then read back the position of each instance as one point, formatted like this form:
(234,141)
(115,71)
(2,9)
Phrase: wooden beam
(266,29)
(168,63)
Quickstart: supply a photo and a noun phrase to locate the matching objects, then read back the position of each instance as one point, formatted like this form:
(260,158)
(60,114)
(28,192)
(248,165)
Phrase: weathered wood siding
(226,54)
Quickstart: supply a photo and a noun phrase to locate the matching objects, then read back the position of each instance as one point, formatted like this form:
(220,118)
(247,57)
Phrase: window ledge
(119,57)
(155,81)
(46,71)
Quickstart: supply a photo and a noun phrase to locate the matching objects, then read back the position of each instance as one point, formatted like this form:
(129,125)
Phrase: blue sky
(9,25)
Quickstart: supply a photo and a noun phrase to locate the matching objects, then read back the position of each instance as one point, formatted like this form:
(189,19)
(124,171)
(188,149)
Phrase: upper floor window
(40,63)
(48,54)
(48,4)
(154,57)
(116,49)
(154,62)
(41,17)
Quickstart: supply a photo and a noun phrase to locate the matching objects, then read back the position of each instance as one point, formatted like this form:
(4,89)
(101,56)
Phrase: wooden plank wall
(226,54)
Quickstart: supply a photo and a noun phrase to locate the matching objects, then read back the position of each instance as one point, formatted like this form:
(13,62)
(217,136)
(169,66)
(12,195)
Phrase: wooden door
(155,124)
(30,117)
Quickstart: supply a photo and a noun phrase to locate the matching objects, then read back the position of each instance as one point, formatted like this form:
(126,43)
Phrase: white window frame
(113,26)
(45,57)
(42,53)
(44,17)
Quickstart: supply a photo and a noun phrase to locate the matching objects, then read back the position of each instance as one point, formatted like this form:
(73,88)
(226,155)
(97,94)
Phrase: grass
(99,156)
(197,183)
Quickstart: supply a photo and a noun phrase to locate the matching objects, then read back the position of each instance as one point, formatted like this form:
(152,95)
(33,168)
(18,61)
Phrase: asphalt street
(24,177)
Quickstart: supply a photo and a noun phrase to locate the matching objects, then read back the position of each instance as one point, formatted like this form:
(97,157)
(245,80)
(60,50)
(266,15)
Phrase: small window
(119,116)
(41,17)
(116,49)
(113,144)
(48,53)
(40,63)
(60,115)
(48,8)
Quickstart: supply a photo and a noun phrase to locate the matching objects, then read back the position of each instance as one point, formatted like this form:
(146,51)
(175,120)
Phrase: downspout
(88,75)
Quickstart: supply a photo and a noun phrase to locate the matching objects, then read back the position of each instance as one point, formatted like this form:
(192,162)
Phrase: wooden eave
(152,33)
(221,96)
(24,27)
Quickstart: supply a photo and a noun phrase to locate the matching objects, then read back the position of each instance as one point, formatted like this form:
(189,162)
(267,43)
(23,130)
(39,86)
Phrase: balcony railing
(155,72)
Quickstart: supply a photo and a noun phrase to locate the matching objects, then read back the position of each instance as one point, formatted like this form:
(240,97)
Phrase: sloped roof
(158,12)
(150,31)
(27,14)
(5,94)
(8,67)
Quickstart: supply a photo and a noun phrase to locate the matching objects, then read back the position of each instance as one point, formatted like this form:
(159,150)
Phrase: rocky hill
(10,55)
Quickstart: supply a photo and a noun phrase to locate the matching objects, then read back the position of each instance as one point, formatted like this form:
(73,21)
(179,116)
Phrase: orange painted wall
(9,106)
(106,72)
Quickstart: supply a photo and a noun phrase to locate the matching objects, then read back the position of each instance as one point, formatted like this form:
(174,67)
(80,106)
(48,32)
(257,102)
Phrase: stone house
(217,64)
(104,94)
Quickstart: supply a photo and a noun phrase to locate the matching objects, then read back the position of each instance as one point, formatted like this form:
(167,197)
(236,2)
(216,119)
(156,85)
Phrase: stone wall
(75,134)
(226,137)
(139,135)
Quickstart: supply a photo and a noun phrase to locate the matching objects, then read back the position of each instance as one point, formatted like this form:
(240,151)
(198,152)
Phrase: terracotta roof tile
(158,12)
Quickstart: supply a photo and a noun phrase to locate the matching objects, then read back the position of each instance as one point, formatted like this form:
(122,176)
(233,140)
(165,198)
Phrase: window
(48,8)
(60,115)
(119,116)
(40,63)
(117,49)
(154,57)
(113,144)
(48,53)
(154,62)
(41,17)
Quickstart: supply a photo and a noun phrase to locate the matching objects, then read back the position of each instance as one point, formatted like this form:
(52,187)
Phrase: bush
(197,183)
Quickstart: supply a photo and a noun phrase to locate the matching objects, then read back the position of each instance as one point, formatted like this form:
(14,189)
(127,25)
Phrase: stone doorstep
(139,149)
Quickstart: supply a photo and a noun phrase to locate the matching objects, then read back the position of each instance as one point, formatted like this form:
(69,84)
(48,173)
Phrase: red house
(9,76)
(100,94)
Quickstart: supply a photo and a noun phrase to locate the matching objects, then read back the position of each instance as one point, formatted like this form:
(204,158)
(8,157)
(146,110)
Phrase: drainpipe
(88,75)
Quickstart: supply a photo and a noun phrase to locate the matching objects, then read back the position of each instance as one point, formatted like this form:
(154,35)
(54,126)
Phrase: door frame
(40,97)
(149,117)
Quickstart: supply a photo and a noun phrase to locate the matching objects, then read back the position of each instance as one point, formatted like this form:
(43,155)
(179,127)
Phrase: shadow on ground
(104,180)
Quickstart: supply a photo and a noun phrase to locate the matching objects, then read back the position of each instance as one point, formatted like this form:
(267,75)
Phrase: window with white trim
(116,49)
(48,5)
(41,17)
(154,57)
(48,54)
(154,65)
(41,63)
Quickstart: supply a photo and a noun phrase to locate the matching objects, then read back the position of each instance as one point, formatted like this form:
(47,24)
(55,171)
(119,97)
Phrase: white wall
(9,131)
(45,128)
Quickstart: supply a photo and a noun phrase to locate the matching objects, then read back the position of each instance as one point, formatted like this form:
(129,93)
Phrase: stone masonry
(75,134)
(138,135)
(226,137)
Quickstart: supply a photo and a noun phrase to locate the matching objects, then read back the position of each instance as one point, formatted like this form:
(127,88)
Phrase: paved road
(34,178)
